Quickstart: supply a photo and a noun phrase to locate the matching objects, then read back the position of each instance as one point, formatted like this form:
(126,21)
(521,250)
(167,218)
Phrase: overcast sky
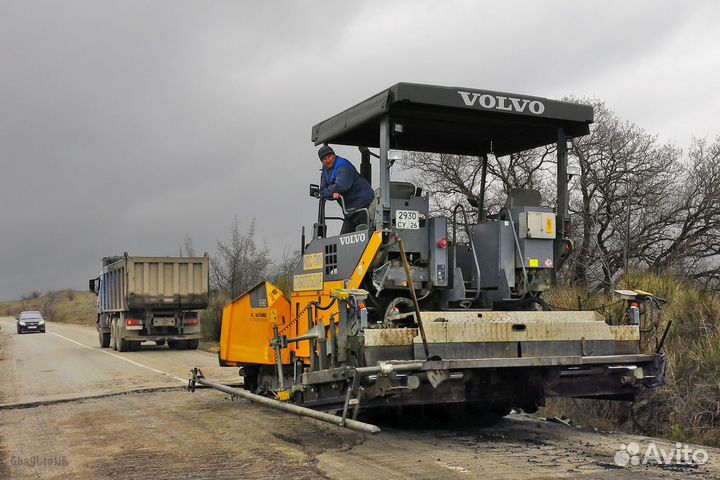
(128,125)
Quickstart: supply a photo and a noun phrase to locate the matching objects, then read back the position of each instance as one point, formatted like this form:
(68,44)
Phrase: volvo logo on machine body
(500,102)
(353,238)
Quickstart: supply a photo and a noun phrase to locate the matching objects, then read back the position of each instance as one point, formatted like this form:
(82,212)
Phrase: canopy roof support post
(483,178)
(563,213)
(365,165)
(384,171)
(562,182)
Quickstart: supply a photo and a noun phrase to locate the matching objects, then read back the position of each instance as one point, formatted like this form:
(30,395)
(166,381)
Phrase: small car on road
(30,321)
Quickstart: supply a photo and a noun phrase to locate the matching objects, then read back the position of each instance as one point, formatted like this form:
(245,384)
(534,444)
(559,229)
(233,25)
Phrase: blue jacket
(345,180)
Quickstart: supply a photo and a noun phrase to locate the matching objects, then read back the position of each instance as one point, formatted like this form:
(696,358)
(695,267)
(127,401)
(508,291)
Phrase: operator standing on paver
(339,177)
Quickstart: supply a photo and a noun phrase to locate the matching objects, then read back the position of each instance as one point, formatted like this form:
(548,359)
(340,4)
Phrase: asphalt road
(66,362)
(69,409)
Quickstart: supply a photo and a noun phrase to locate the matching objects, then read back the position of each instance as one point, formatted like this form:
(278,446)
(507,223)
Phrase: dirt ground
(171,433)
(176,434)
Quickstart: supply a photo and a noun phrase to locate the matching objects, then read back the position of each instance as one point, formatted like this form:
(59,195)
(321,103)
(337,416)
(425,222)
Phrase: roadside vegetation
(69,306)
(687,409)
(240,263)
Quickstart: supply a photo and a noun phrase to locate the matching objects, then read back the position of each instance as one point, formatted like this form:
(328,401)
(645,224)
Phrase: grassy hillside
(688,407)
(68,306)
(71,306)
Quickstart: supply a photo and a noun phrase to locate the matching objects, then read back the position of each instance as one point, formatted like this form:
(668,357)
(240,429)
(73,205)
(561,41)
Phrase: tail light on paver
(191,321)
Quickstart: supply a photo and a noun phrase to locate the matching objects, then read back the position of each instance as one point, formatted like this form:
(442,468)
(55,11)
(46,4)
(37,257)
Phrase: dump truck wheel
(104,339)
(123,345)
(159,343)
(171,344)
(192,344)
(113,335)
(180,344)
(135,346)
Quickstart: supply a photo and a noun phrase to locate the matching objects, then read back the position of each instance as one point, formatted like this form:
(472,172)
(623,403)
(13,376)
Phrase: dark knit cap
(324,151)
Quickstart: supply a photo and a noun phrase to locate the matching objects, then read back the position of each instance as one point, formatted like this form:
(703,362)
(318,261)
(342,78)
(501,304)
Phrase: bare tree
(283,270)
(626,178)
(531,169)
(448,178)
(186,249)
(240,263)
(48,303)
(452,179)
(31,296)
(689,237)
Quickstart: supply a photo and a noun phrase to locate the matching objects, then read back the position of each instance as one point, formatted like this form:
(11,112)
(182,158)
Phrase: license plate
(32,326)
(407,219)
(164,322)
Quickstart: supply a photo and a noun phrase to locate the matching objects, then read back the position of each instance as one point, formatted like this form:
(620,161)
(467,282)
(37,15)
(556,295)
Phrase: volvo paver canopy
(455,120)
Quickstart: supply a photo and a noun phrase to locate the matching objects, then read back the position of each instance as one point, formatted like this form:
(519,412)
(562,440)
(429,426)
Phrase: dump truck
(416,309)
(142,299)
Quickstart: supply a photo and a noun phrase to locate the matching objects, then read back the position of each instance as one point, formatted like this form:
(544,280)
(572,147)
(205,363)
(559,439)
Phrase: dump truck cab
(405,310)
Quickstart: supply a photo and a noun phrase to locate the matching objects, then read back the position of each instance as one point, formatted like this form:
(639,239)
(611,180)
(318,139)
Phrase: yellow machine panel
(320,292)
(247,326)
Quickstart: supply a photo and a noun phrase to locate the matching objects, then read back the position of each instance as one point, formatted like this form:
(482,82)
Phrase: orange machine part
(247,326)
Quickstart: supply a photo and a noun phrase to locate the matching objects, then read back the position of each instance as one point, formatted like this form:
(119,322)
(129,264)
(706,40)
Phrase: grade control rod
(413,296)
(198,377)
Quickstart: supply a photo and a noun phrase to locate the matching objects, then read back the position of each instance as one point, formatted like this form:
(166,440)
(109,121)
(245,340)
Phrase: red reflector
(191,321)
(443,243)
(130,321)
(361,305)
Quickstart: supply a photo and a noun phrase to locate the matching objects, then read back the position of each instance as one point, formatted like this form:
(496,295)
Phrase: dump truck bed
(155,282)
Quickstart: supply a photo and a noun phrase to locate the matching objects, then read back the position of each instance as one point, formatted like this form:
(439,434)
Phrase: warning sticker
(313,261)
(533,262)
(549,225)
(308,281)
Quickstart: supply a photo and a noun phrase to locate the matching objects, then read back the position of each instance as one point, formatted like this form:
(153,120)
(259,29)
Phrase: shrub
(688,406)
(211,318)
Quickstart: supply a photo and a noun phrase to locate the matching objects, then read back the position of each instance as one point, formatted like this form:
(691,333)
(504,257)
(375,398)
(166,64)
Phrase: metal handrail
(519,251)
(341,200)
(472,246)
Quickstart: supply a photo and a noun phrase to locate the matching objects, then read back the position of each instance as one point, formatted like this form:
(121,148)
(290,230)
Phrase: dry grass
(688,407)
(211,319)
(211,346)
(67,306)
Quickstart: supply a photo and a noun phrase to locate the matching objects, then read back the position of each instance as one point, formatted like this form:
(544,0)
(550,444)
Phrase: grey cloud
(127,125)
